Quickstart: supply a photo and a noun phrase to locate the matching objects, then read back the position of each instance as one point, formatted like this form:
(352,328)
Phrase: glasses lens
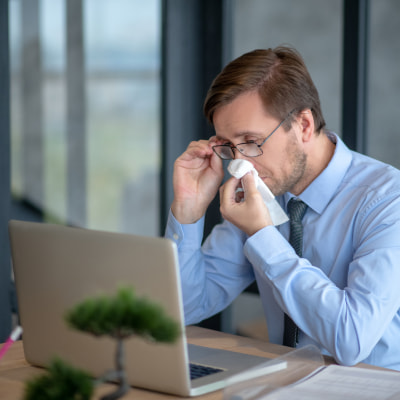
(249,149)
(225,152)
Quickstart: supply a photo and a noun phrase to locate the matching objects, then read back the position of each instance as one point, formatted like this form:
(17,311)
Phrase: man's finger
(228,190)
(249,183)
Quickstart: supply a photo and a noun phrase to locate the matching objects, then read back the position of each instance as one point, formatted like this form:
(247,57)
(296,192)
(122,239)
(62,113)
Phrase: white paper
(343,383)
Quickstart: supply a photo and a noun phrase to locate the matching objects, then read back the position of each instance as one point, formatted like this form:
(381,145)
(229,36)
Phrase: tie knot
(296,209)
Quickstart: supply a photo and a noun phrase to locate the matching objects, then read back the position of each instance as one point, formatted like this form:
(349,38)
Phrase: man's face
(283,162)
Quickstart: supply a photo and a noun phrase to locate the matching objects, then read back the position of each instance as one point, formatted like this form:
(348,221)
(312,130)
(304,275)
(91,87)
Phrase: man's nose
(238,155)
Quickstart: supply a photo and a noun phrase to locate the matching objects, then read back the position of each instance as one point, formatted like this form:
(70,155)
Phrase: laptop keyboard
(198,371)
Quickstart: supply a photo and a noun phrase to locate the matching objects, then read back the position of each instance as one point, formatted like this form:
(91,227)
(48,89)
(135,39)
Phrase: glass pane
(384,81)
(312,28)
(113,146)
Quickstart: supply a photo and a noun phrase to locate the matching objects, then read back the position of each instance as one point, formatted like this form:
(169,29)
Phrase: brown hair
(279,75)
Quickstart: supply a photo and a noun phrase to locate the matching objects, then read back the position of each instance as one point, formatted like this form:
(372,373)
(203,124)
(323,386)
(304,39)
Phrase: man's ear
(305,119)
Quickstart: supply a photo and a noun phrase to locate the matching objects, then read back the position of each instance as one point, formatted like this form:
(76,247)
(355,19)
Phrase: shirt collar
(321,190)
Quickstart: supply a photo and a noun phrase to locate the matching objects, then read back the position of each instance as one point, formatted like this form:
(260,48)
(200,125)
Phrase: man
(341,289)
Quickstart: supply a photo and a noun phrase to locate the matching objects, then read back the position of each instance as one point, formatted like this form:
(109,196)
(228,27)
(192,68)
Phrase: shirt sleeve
(212,274)
(347,322)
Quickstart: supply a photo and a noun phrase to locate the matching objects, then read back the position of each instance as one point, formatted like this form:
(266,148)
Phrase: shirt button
(175,236)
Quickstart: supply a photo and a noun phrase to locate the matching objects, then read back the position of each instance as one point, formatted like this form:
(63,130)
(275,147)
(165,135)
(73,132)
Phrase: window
(85,109)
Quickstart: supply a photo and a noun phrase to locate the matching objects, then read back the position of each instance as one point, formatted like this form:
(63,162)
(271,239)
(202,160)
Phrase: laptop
(57,267)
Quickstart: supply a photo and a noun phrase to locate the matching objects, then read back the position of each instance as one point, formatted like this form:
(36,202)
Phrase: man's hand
(198,173)
(250,214)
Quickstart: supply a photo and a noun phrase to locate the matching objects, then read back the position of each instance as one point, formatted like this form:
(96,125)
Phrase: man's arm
(349,321)
(214,274)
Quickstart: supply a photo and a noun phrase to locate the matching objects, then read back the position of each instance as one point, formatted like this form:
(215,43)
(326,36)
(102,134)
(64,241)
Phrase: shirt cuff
(268,249)
(177,231)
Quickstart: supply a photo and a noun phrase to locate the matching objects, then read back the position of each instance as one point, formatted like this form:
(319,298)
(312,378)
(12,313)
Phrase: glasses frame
(233,147)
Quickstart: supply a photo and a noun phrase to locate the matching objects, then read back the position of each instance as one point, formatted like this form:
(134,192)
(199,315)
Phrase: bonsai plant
(61,382)
(119,317)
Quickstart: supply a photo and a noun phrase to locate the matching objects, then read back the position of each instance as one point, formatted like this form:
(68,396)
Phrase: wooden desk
(14,370)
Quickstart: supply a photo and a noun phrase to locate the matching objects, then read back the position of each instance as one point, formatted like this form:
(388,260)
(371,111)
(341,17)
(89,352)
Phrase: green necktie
(296,209)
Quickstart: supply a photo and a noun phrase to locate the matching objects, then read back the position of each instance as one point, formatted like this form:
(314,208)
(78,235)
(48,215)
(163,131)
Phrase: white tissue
(239,168)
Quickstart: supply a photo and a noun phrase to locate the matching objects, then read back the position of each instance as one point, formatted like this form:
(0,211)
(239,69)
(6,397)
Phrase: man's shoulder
(370,174)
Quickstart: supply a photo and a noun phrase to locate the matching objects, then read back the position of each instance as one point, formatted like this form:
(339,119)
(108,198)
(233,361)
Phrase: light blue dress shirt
(344,294)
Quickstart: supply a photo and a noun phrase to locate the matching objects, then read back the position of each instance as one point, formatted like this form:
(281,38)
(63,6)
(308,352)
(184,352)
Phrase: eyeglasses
(248,149)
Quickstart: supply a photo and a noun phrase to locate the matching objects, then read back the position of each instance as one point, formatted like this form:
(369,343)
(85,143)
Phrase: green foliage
(62,382)
(122,316)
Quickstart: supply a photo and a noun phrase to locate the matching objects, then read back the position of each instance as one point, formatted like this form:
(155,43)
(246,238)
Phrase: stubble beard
(289,181)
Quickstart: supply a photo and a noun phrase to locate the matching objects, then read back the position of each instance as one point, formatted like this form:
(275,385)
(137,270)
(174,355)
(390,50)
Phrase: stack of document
(342,383)
(303,376)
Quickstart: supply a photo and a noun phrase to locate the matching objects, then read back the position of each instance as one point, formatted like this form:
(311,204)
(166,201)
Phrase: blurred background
(100,96)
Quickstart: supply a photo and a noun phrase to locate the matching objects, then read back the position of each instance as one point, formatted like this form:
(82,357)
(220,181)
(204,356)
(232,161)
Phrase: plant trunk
(120,373)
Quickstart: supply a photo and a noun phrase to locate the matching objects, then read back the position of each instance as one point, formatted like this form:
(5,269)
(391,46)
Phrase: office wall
(383,140)
(313,27)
